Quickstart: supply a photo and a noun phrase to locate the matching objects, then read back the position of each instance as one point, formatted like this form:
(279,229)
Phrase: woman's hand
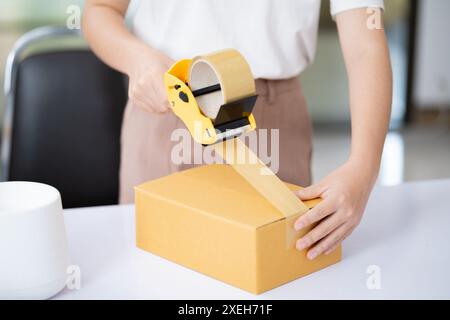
(345,193)
(146,88)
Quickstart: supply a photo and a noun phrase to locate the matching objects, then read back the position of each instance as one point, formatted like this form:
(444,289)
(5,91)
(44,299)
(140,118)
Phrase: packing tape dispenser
(213,95)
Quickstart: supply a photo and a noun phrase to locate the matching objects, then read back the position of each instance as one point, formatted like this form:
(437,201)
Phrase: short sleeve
(338,6)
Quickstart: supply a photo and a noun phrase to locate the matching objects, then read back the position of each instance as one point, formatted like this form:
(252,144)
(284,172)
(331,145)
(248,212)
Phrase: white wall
(432,79)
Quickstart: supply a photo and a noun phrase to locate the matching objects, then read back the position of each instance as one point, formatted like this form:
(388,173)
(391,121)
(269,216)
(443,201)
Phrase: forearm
(370,84)
(370,90)
(105,30)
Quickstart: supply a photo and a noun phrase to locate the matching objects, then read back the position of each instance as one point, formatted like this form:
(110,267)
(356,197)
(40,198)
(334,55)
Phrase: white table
(405,232)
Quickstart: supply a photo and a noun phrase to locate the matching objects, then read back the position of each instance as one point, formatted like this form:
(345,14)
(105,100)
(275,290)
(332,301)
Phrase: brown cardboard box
(211,220)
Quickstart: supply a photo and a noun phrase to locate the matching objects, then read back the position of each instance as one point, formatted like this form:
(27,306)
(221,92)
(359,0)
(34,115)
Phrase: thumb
(311,192)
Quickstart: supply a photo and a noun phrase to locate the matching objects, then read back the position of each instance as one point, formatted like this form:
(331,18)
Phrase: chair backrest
(63,122)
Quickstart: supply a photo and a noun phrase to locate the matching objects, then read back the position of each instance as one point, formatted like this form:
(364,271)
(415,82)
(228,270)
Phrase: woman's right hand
(146,86)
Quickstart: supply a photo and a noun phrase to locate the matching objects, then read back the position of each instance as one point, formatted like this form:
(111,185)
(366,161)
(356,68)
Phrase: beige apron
(146,137)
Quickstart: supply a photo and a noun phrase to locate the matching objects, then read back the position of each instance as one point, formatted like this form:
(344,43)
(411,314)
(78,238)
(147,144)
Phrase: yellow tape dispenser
(213,95)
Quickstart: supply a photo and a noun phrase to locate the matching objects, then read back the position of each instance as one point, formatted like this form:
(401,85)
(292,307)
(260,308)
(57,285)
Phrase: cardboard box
(211,220)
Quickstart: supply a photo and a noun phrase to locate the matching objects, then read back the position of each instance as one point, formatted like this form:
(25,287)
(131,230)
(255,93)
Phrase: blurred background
(418,145)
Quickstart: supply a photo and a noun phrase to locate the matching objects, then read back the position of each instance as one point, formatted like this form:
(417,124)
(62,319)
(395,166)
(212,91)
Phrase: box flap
(216,190)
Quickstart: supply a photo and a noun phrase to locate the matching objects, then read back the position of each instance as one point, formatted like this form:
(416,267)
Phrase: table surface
(405,232)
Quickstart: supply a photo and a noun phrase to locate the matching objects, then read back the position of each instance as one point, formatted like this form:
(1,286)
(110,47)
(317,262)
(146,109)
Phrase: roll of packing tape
(226,68)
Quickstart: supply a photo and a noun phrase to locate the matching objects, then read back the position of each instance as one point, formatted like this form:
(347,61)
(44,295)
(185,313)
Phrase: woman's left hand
(345,193)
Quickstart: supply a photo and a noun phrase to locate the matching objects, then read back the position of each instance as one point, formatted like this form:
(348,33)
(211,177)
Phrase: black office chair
(63,119)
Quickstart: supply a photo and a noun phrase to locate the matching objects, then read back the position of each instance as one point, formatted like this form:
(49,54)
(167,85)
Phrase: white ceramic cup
(33,246)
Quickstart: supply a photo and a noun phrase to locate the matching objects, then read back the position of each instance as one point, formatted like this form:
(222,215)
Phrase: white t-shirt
(277,37)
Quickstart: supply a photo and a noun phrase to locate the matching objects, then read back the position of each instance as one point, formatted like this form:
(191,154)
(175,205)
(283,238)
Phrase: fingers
(139,99)
(322,210)
(319,232)
(333,248)
(160,96)
(153,97)
(329,243)
(311,192)
(147,88)
(148,98)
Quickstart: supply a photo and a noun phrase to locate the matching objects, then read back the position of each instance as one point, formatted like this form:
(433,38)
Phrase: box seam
(178,204)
